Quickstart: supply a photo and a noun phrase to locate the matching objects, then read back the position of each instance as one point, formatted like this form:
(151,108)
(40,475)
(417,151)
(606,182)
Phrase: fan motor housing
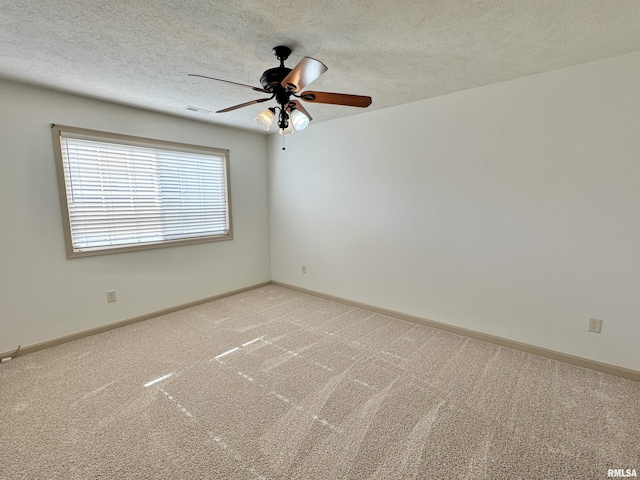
(273,77)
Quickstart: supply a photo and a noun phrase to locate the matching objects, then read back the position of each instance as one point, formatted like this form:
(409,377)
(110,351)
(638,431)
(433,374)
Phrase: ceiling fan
(283,83)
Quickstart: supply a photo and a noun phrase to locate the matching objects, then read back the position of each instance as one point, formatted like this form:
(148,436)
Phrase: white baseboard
(104,328)
(525,347)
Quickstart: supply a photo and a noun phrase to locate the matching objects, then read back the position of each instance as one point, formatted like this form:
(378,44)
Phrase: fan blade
(299,106)
(229,81)
(245,104)
(305,72)
(337,99)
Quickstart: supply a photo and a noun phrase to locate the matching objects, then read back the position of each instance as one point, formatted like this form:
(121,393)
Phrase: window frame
(58,130)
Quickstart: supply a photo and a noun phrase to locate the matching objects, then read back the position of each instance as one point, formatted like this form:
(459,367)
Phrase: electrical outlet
(111,296)
(595,325)
(304,269)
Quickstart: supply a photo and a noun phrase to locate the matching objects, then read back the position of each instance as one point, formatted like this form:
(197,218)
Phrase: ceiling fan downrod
(282,53)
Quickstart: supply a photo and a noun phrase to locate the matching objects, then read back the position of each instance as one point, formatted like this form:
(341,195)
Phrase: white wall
(512,209)
(43,295)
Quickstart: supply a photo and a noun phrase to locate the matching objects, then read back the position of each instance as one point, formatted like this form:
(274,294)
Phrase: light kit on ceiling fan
(286,127)
(288,122)
(282,84)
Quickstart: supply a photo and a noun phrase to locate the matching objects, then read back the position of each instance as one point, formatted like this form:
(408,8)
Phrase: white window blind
(129,193)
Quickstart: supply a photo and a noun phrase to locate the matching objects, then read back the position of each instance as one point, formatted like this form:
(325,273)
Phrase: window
(122,193)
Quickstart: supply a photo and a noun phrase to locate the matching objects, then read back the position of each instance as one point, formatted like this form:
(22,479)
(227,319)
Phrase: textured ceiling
(138,52)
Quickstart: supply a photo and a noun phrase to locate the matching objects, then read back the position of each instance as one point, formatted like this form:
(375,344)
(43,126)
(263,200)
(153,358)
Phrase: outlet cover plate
(595,325)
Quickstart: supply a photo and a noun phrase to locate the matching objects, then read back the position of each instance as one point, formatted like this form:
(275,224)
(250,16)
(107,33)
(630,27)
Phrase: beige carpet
(275,384)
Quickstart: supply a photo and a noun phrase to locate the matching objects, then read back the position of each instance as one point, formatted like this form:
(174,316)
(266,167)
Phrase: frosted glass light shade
(265,119)
(299,120)
(288,130)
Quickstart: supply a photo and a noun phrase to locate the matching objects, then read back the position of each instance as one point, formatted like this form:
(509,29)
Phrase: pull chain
(283,143)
